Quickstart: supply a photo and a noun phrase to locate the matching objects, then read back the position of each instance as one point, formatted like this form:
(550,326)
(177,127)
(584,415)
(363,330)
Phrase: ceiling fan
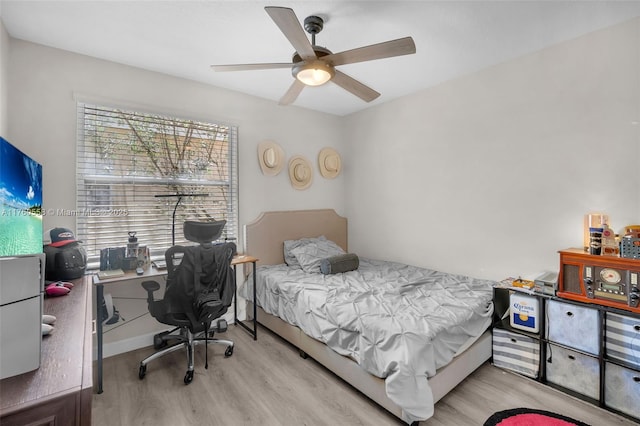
(313,65)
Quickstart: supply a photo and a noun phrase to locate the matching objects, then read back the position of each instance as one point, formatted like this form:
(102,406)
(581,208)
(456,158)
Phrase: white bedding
(399,322)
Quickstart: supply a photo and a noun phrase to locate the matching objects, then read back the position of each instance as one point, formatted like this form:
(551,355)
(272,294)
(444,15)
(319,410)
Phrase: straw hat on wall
(300,172)
(329,163)
(270,157)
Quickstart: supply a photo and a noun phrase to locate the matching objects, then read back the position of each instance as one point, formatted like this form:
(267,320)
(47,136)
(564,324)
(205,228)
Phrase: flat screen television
(20,202)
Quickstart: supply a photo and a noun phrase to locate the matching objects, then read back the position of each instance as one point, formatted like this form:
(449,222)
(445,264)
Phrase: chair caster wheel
(188,378)
(228,352)
(142,371)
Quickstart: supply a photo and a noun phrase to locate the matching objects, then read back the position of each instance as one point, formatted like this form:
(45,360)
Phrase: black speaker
(571,279)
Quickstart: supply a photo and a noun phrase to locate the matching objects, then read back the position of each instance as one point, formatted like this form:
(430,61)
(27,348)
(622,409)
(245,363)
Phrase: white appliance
(21,292)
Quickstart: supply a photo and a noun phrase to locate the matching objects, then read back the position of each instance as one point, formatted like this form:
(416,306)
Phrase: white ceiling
(184,37)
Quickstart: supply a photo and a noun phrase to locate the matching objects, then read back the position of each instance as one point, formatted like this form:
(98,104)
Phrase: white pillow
(310,255)
(289,245)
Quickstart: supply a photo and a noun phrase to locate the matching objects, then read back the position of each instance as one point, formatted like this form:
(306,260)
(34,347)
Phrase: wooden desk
(60,391)
(150,273)
(240,260)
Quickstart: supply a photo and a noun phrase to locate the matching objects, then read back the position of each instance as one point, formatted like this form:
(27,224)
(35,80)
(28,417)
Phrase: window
(140,172)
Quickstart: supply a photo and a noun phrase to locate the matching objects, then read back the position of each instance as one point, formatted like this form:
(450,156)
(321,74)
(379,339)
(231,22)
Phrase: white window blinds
(138,172)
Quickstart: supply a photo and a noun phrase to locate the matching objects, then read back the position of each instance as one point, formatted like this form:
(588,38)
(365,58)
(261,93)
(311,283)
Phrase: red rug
(530,417)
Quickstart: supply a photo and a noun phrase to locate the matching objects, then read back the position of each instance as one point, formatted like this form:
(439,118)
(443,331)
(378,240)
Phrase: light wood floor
(267,383)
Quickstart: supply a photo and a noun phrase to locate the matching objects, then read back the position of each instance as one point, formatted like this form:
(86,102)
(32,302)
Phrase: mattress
(398,322)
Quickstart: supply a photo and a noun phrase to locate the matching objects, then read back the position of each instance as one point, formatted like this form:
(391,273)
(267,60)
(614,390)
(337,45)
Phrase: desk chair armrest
(151,287)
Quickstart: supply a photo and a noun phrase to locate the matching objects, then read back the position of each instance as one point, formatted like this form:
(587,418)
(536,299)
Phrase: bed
(405,372)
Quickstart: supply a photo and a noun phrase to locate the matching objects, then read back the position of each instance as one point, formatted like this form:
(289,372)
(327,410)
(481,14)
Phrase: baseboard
(136,342)
(125,345)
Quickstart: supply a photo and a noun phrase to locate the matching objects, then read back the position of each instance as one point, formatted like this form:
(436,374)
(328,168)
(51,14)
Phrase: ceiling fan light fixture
(313,73)
(313,65)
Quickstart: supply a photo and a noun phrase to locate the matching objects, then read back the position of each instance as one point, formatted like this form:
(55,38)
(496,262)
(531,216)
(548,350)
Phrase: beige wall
(491,174)
(45,86)
(46,82)
(488,175)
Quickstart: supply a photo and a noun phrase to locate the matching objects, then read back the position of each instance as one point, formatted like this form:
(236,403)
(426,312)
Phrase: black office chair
(200,288)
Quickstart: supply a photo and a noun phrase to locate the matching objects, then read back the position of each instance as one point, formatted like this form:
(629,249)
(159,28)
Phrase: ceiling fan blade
(250,67)
(387,49)
(292,93)
(288,23)
(352,85)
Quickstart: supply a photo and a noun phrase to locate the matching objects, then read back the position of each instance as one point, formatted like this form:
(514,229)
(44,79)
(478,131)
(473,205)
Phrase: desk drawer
(622,389)
(574,326)
(573,370)
(622,338)
(516,352)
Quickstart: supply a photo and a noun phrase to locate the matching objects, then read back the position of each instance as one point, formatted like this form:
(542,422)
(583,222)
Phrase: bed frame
(264,239)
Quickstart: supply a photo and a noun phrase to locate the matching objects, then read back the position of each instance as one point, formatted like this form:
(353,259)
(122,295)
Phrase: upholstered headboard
(264,237)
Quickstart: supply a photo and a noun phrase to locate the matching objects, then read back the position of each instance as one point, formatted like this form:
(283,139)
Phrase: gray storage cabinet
(588,350)
(516,352)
